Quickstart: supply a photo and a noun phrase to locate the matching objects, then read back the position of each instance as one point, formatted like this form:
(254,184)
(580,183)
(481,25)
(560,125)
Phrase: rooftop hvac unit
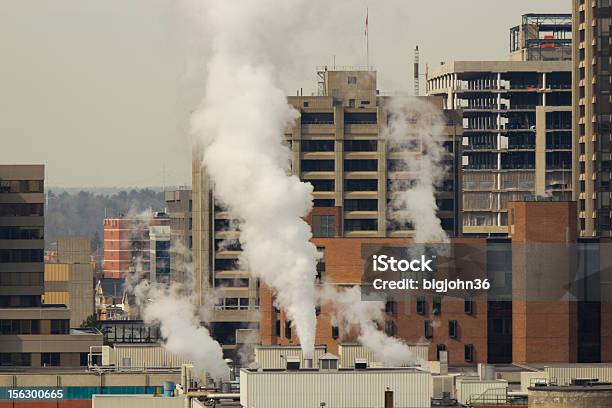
(361,364)
(293,363)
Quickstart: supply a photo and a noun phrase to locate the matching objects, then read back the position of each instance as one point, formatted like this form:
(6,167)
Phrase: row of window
(46,359)
(233,304)
(313,118)
(21,186)
(324,226)
(21,278)
(21,210)
(329,145)
(32,326)
(453,329)
(21,255)
(21,233)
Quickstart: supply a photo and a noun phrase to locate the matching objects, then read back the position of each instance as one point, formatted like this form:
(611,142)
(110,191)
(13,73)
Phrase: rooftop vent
(293,363)
(361,364)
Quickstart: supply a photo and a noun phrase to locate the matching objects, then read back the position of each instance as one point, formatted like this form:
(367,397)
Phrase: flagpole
(367,40)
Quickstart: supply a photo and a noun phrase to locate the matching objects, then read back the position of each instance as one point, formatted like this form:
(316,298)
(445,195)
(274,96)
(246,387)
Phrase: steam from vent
(173,308)
(415,135)
(353,314)
(240,123)
(179,323)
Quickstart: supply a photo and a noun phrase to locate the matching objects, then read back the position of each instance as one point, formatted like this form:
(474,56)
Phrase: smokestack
(308,363)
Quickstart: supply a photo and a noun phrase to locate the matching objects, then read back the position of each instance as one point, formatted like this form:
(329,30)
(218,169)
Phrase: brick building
(126,242)
(514,326)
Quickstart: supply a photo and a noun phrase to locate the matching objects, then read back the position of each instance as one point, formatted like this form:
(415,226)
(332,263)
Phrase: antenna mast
(416,71)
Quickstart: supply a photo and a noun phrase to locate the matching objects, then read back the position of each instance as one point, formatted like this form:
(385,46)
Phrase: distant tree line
(82,213)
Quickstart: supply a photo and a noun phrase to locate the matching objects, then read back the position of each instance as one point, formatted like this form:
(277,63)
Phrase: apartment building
(336,146)
(517,123)
(592,109)
(32,334)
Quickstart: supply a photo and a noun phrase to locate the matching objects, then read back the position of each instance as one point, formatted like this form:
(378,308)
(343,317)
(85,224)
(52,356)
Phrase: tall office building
(592,108)
(336,146)
(517,122)
(31,334)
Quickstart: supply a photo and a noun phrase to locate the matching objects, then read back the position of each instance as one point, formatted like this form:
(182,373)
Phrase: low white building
(346,388)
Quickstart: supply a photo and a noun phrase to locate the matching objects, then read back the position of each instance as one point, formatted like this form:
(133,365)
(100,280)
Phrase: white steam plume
(241,122)
(179,323)
(173,307)
(352,313)
(415,133)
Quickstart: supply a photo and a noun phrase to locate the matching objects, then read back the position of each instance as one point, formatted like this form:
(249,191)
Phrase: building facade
(159,258)
(337,146)
(31,334)
(179,205)
(69,279)
(127,244)
(592,109)
(512,322)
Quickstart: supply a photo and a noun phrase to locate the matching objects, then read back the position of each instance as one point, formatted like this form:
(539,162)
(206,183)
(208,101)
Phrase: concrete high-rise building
(31,334)
(517,123)
(592,108)
(179,207)
(336,146)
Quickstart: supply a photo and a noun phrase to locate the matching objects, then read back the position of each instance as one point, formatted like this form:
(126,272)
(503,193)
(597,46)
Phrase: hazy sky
(100,91)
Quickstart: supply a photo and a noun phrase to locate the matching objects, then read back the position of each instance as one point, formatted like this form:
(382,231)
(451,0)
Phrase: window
(318,202)
(322,185)
(226,264)
(277,328)
(469,353)
(421,305)
(83,359)
(335,332)
(21,210)
(323,226)
(60,326)
(352,80)
(361,205)
(317,145)
(360,118)
(390,329)
(436,306)
(317,165)
(360,145)
(439,349)
(360,185)
(49,359)
(321,265)
(21,255)
(428,329)
(452,329)
(390,307)
(468,306)
(231,303)
(15,359)
(361,165)
(369,224)
(314,118)
(244,303)
(288,329)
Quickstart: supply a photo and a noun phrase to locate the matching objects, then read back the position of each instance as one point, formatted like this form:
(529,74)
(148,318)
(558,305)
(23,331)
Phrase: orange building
(126,243)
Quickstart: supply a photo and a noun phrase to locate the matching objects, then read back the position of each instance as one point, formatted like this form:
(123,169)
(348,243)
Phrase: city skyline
(126,93)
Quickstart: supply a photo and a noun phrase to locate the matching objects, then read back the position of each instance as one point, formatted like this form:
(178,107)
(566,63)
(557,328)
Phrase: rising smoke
(352,314)
(415,135)
(172,306)
(240,124)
